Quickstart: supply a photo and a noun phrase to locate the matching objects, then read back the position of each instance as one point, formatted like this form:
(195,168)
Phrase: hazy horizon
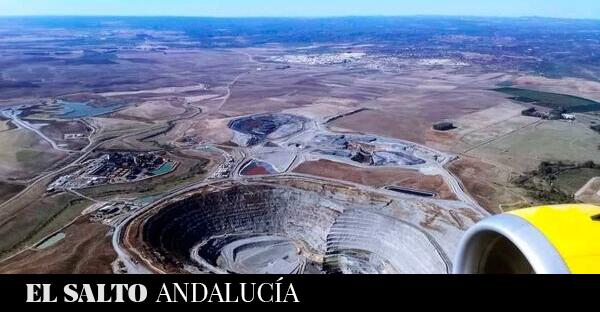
(299,17)
(562,9)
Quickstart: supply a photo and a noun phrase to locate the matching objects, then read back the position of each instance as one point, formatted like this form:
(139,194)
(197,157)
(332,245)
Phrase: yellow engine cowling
(545,240)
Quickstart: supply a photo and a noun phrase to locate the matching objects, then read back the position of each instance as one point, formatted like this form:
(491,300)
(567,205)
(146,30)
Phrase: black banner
(300,291)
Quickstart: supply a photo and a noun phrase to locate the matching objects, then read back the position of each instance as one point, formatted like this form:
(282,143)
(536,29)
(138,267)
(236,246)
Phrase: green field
(551,100)
(547,141)
(38,216)
(8,190)
(571,181)
(24,155)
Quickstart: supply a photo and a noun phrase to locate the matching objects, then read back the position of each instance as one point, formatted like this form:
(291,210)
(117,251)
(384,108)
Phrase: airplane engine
(559,239)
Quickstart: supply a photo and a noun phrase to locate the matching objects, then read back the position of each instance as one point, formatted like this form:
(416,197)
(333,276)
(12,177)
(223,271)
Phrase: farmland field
(571,181)
(552,100)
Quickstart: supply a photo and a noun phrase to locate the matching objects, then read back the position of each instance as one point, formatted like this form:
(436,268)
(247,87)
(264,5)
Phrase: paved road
(457,188)
(131,266)
(14,117)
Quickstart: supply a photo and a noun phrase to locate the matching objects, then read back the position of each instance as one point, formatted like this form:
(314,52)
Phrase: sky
(304,8)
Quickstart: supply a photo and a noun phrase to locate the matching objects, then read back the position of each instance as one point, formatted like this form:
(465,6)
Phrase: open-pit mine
(278,221)
(297,225)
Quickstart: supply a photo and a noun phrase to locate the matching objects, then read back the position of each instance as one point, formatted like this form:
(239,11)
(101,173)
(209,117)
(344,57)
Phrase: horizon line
(300,16)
